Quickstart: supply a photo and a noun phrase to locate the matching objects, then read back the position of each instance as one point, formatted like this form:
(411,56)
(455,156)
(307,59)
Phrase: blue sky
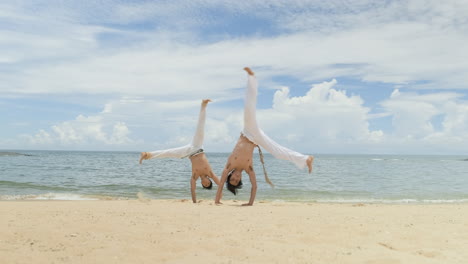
(335,76)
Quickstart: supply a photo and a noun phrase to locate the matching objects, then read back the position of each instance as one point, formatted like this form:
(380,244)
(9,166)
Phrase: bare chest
(200,165)
(241,156)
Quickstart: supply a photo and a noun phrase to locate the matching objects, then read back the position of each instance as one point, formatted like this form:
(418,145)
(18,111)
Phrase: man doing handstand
(200,166)
(252,136)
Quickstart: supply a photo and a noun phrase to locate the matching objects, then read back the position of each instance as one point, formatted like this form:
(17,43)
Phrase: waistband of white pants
(193,154)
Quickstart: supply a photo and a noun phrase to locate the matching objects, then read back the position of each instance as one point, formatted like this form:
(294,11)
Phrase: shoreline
(142,196)
(178,231)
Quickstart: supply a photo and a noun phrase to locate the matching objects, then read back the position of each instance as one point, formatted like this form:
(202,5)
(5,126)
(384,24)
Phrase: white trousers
(257,136)
(185,151)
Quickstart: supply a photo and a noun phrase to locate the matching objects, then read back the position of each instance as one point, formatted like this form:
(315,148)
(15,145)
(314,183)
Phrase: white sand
(181,232)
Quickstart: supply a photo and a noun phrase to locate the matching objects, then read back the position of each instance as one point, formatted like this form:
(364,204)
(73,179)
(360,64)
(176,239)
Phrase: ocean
(90,175)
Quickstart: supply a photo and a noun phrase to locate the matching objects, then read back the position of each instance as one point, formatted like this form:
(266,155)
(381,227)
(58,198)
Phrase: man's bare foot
(144,156)
(205,102)
(309,161)
(249,71)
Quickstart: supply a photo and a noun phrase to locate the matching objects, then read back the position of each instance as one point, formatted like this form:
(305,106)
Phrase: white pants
(257,136)
(187,150)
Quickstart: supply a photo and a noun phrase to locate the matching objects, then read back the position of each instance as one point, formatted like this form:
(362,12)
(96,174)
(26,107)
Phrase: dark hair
(209,187)
(233,188)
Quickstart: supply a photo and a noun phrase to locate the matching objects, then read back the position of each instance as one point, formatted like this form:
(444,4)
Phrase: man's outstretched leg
(184,151)
(256,135)
(197,141)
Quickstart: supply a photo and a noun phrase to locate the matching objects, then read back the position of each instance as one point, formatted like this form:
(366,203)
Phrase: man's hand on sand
(249,71)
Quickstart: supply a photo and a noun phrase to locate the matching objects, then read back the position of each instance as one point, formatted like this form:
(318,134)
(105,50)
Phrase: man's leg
(250,105)
(197,141)
(256,135)
(184,151)
(280,152)
(179,152)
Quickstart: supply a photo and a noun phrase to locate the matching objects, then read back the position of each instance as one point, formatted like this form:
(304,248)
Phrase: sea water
(79,175)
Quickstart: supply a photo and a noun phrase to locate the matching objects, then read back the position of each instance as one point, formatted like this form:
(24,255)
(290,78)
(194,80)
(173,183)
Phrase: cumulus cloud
(411,115)
(433,122)
(323,120)
(323,116)
(83,132)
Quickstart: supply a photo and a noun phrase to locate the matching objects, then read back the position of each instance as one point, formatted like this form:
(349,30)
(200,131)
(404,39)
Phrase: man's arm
(219,193)
(193,183)
(253,191)
(214,177)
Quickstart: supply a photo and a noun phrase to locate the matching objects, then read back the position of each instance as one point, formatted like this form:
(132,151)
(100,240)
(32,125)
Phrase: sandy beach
(177,231)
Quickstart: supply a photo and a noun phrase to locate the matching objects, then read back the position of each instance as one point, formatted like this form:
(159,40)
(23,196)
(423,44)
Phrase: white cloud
(415,127)
(456,119)
(107,109)
(411,115)
(321,117)
(161,71)
(120,134)
(323,120)
(338,15)
(410,42)
(306,123)
(389,54)
(81,133)
(41,138)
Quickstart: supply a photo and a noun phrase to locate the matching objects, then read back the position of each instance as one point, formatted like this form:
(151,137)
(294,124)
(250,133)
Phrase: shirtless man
(252,136)
(200,166)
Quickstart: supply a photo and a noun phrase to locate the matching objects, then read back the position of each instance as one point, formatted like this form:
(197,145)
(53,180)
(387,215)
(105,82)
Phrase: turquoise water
(77,175)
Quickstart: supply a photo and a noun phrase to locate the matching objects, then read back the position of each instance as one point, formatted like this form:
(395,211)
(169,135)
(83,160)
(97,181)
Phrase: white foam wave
(397,201)
(48,196)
